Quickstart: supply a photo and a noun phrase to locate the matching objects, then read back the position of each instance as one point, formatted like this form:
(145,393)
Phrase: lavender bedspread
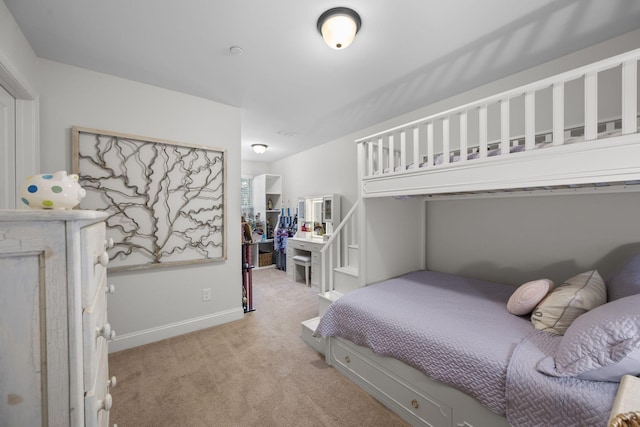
(457,331)
(535,399)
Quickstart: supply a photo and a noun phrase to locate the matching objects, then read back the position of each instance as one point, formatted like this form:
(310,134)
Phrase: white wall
(327,169)
(155,303)
(251,169)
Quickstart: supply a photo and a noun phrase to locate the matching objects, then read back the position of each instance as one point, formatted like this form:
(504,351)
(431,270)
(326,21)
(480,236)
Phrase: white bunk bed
(520,139)
(527,139)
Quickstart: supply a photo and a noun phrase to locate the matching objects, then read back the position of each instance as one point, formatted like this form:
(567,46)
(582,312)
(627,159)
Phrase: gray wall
(517,239)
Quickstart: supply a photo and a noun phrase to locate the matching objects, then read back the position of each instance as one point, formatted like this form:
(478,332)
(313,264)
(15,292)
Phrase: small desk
(309,247)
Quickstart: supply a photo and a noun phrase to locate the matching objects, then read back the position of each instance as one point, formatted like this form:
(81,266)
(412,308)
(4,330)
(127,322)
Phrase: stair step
(331,295)
(351,271)
(308,328)
(325,300)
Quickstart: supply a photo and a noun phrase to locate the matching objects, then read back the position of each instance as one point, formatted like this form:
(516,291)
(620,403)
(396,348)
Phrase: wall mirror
(318,214)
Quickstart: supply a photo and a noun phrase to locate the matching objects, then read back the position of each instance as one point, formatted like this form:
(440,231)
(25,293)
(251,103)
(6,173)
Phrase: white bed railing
(335,252)
(462,134)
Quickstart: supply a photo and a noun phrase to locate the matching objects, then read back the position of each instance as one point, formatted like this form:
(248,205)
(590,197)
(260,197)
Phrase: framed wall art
(166,200)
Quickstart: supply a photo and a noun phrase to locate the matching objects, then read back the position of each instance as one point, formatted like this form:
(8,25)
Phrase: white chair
(304,261)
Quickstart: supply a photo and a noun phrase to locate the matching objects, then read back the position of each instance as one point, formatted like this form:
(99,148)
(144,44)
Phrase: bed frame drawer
(408,402)
(397,386)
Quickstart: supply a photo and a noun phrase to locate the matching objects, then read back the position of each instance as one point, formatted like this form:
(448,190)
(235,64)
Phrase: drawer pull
(415,404)
(112,382)
(110,289)
(347,359)
(106,332)
(107,403)
(103,259)
(108,243)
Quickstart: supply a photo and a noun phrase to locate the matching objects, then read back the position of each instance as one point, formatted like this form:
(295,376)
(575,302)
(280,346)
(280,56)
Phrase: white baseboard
(138,338)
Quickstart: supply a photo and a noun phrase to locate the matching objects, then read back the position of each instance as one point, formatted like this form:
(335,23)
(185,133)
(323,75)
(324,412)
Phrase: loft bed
(577,131)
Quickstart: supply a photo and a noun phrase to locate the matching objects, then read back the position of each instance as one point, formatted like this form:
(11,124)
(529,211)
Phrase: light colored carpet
(252,372)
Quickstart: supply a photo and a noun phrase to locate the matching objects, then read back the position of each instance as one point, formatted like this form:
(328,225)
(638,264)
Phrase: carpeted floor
(252,372)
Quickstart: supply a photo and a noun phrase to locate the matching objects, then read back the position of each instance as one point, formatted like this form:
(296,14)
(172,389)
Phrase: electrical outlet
(206,294)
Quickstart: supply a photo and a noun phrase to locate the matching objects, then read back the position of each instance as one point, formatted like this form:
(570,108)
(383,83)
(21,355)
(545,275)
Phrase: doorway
(7,150)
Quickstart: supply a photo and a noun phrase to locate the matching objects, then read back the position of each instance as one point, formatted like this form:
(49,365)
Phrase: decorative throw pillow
(527,296)
(626,281)
(601,345)
(561,306)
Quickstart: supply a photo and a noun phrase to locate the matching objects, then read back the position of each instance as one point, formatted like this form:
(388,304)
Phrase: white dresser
(53,319)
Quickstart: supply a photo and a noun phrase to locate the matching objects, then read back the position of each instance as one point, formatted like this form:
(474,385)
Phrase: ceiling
(293,90)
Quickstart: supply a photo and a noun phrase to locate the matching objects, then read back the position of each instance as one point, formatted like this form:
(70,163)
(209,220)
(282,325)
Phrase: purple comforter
(534,399)
(455,330)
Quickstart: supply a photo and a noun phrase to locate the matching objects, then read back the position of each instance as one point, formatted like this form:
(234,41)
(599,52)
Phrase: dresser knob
(415,404)
(112,382)
(106,332)
(108,243)
(110,289)
(347,359)
(103,259)
(107,403)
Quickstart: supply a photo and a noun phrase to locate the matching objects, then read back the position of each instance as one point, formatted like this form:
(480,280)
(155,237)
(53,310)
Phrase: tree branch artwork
(166,201)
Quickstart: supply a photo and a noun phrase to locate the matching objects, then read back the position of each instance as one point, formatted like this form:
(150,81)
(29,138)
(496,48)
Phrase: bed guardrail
(506,123)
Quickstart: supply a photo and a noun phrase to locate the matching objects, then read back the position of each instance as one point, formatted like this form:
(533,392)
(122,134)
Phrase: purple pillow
(603,344)
(626,281)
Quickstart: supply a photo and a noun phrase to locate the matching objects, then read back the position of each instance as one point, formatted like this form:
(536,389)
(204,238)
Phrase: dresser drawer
(96,330)
(97,400)
(94,260)
(406,397)
(305,245)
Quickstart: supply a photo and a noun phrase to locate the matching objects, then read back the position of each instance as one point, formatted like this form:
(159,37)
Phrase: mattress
(454,329)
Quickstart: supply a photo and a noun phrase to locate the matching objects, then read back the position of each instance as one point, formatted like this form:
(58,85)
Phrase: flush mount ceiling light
(339,26)
(259,148)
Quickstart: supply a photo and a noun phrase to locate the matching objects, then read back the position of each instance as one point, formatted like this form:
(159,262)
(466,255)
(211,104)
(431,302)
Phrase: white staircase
(340,273)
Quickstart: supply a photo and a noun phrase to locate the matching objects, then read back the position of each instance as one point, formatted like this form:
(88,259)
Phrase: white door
(7,150)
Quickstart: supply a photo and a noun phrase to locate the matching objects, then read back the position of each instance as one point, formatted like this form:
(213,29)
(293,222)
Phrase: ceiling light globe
(339,31)
(259,148)
(338,27)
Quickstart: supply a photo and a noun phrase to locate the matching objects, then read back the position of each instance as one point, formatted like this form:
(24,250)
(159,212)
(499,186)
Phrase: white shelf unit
(267,201)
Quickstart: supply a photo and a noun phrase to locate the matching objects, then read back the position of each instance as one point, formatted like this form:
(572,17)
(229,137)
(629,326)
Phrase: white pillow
(528,295)
(565,303)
